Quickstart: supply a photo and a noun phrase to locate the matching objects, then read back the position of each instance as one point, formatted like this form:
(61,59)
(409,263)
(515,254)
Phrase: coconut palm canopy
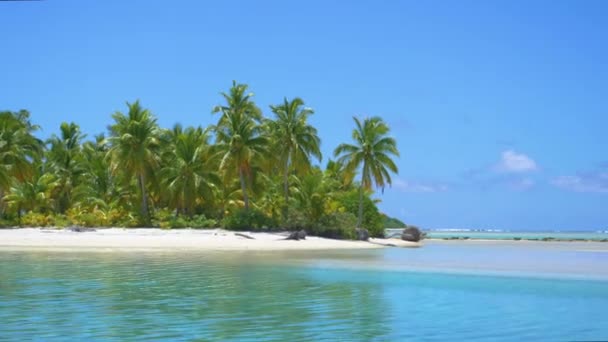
(246,171)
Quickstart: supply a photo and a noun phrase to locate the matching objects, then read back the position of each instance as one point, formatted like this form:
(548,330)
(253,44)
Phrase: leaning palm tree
(371,153)
(296,140)
(239,134)
(189,171)
(135,146)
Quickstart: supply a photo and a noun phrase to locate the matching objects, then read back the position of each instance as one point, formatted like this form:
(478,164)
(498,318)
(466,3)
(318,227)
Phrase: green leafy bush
(33,219)
(87,218)
(336,226)
(61,221)
(166,219)
(8,223)
(251,220)
(296,221)
(372,218)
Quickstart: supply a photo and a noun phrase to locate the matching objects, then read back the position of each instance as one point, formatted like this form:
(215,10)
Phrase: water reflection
(236,296)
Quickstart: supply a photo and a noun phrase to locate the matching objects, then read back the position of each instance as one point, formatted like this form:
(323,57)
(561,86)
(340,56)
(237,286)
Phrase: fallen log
(299,235)
(245,236)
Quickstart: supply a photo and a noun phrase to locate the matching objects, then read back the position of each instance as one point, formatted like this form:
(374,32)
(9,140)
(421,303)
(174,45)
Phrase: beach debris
(81,229)
(298,235)
(245,236)
(382,244)
(362,234)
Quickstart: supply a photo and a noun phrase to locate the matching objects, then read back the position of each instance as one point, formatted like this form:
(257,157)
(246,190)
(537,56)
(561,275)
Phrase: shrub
(372,219)
(296,221)
(166,219)
(87,218)
(61,221)
(8,223)
(336,226)
(252,219)
(33,219)
(201,221)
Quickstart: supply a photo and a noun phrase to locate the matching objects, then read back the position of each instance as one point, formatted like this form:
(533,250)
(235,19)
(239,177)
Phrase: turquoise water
(498,293)
(522,235)
(508,235)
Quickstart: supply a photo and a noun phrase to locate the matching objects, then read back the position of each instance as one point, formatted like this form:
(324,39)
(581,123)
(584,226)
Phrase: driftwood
(245,236)
(382,244)
(299,235)
(82,229)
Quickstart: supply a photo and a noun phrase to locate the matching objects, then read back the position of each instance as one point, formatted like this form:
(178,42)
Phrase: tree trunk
(144,197)
(286,190)
(360,218)
(1,203)
(244,189)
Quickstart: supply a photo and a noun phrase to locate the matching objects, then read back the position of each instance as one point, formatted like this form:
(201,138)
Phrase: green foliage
(135,151)
(8,223)
(336,226)
(372,219)
(246,172)
(372,154)
(250,220)
(168,220)
(392,222)
(296,221)
(240,137)
(87,218)
(33,219)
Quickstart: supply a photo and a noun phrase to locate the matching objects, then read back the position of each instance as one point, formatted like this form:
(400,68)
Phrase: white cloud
(513,162)
(413,186)
(586,182)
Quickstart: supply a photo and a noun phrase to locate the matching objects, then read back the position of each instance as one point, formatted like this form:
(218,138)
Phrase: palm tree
(188,172)
(312,191)
(296,140)
(19,150)
(239,134)
(33,194)
(371,153)
(238,102)
(65,161)
(96,186)
(338,174)
(135,146)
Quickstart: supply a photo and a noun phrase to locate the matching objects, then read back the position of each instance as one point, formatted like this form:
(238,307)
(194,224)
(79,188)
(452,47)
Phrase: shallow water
(439,292)
(500,235)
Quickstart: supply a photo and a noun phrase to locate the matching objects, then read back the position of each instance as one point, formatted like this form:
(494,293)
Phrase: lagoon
(443,291)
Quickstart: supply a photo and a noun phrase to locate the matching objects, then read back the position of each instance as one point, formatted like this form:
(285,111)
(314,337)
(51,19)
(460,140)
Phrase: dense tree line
(248,171)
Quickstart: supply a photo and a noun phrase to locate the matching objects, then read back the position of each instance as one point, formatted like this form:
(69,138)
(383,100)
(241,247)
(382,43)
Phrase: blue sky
(499,107)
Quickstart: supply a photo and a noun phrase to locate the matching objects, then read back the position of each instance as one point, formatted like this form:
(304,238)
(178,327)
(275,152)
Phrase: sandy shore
(183,239)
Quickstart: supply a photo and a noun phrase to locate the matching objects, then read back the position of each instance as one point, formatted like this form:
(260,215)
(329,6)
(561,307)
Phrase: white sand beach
(182,239)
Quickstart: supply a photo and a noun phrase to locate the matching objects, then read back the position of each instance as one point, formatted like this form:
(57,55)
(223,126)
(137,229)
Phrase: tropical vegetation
(246,172)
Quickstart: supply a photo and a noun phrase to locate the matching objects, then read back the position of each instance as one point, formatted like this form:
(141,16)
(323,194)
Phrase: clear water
(439,292)
(510,235)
